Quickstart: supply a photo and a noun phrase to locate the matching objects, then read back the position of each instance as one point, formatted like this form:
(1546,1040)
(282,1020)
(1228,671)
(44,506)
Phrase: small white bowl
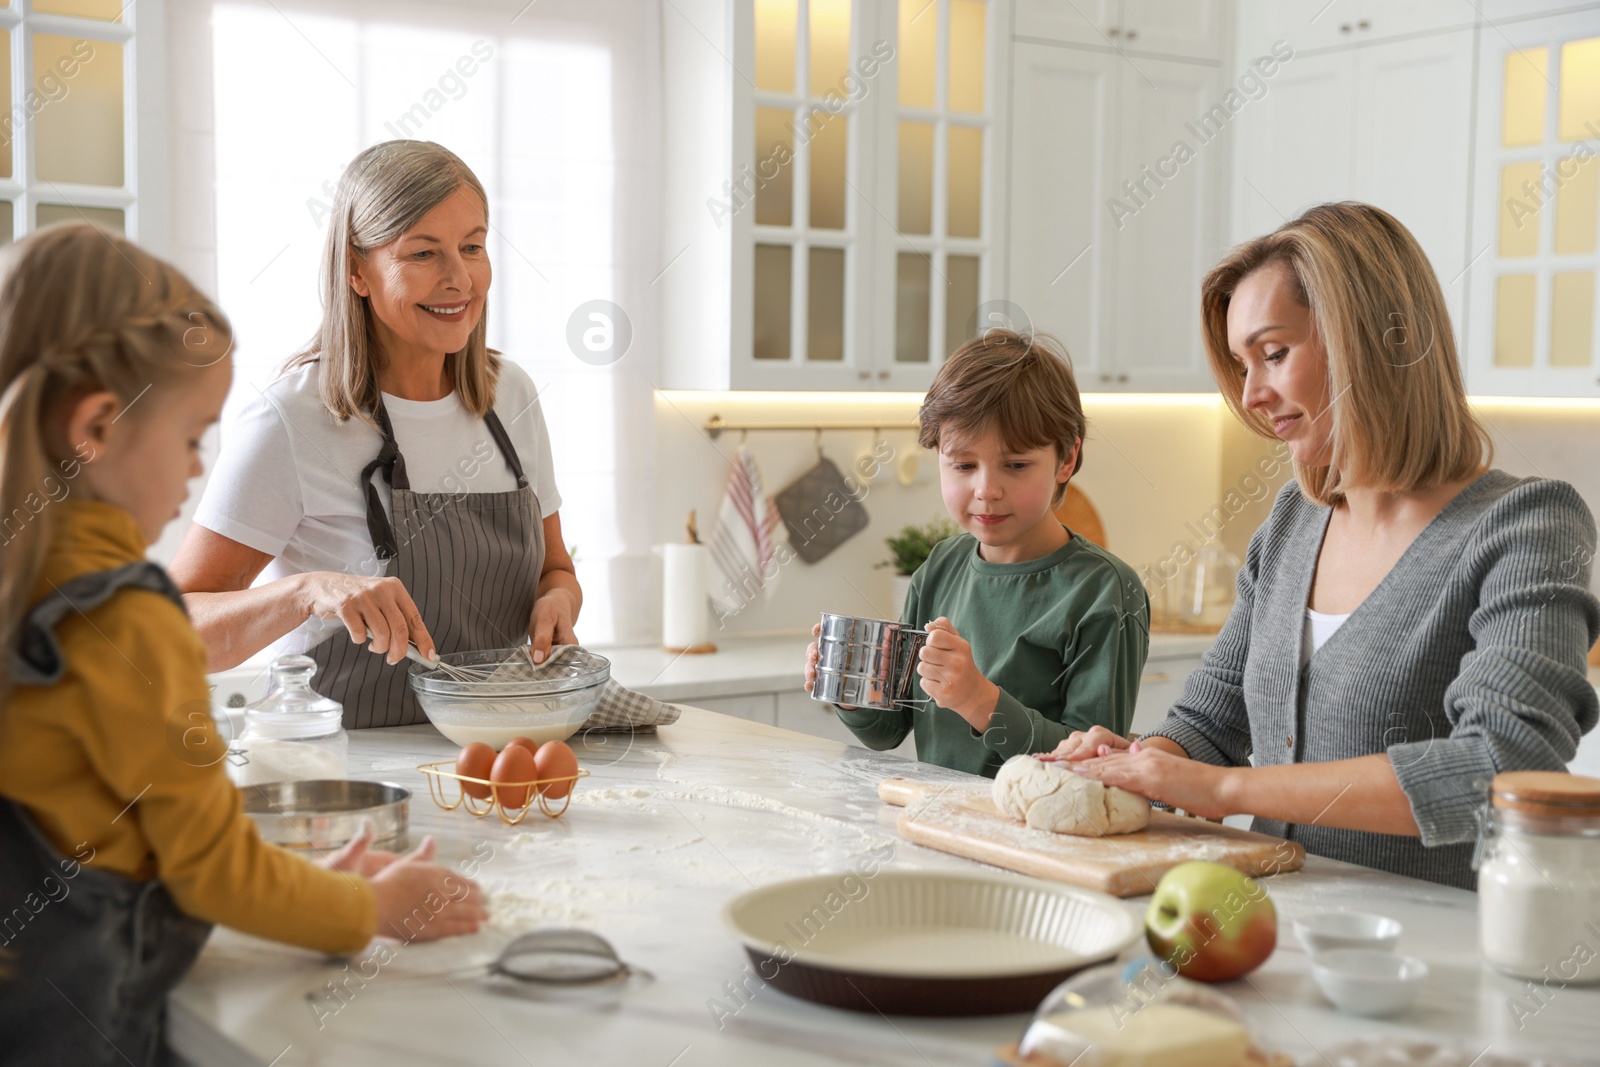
(1322,931)
(1367,981)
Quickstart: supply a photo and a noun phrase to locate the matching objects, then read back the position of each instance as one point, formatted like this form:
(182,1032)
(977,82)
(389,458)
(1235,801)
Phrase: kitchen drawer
(757,707)
(1160,686)
(798,712)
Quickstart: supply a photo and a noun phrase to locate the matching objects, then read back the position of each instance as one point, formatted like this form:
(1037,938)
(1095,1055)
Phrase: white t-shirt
(1318,628)
(288,479)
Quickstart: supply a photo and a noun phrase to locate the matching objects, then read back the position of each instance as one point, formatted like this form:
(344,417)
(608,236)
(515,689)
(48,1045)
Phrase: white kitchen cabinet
(1115,201)
(1533,281)
(798,712)
(1190,28)
(1064,108)
(1312,25)
(829,226)
(1164,250)
(1160,686)
(1502,11)
(1345,125)
(1295,146)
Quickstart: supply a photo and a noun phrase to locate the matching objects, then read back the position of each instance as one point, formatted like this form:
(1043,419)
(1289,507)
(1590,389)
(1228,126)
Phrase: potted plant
(909,550)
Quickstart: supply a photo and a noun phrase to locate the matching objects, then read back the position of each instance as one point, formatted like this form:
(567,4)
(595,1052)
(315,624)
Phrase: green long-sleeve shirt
(1064,637)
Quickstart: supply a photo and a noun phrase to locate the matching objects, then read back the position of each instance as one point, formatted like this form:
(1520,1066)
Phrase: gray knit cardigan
(1466,660)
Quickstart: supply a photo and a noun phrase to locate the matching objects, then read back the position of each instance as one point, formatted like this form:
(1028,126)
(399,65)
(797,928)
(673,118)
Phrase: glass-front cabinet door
(864,148)
(1537,205)
(67,130)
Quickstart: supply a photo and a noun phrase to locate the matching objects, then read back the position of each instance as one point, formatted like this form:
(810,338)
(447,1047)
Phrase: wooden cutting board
(962,820)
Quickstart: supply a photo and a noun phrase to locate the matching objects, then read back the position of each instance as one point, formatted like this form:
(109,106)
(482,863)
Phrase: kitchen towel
(822,510)
(744,544)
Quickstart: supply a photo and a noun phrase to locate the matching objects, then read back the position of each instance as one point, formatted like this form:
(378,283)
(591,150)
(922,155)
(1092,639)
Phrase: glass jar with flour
(1539,876)
(292,733)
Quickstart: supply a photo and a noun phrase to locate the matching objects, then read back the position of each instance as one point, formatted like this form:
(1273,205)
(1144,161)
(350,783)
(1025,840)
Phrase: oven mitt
(820,511)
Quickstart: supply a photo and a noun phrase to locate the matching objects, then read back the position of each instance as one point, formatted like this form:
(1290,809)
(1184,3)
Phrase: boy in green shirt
(1036,632)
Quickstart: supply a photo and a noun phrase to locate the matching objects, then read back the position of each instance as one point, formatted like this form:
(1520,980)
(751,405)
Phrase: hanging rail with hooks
(715,426)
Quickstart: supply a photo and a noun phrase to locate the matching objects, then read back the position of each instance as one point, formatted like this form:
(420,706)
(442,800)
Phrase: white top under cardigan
(1469,658)
(288,480)
(1319,627)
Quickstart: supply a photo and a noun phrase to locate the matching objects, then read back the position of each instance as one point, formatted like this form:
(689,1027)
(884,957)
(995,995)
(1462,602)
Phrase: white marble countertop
(768,664)
(665,831)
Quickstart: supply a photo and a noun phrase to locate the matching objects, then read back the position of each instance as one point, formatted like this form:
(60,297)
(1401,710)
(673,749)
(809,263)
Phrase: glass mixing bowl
(512,698)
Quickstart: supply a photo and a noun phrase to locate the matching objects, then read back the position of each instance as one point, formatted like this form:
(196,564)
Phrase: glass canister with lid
(293,733)
(1538,865)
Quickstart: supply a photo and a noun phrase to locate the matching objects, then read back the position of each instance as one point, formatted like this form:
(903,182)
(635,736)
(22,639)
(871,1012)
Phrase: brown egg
(555,760)
(475,761)
(531,746)
(514,764)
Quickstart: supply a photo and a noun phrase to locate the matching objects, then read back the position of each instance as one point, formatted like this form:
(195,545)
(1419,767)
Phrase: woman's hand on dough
(813,653)
(952,679)
(1086,744)
(1198,788)
(554,615)
(379,606)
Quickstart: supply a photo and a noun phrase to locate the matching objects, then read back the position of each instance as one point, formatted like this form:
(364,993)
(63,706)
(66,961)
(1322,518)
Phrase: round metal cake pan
(924,942)
(326,813)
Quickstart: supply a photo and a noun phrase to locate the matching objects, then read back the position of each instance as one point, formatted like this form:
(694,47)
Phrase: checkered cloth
(619,710)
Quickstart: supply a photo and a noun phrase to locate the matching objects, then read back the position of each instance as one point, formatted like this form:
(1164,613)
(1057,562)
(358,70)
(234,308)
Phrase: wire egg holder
(437,774)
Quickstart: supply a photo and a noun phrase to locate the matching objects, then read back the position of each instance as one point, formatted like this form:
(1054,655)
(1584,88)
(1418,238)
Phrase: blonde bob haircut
(385,191)
(1400,420)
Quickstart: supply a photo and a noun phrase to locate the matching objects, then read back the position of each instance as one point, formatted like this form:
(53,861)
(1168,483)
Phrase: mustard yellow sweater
(101,760)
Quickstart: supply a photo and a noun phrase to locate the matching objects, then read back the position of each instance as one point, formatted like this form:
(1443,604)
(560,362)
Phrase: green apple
(1211,922)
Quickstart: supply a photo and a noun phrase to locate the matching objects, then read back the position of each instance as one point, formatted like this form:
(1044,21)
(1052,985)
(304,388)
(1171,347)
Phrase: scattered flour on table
(518,906)
(523,901)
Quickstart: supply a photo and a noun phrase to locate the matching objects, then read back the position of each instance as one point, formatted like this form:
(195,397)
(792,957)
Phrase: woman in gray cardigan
(1409,621)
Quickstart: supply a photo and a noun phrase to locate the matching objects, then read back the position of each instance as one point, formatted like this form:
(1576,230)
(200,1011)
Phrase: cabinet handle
(1157,678)
(1132,34)
(1344,27)
(863,375)
(1105,377)
(1122,377)
(1115,31)
(1364,24)
(883,375)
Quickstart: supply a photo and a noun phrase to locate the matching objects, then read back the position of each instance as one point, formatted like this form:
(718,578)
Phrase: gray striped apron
(471,562)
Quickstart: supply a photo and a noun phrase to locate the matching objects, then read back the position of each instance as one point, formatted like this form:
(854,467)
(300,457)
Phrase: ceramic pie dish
(926,942)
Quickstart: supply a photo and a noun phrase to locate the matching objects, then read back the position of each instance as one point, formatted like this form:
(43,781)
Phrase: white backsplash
(1158,469)
(1149,468)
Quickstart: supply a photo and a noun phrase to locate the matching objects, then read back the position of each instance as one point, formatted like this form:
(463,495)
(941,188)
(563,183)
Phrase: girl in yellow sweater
(121,838)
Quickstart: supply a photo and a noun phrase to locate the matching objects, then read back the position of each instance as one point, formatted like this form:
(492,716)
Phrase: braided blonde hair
(81,311)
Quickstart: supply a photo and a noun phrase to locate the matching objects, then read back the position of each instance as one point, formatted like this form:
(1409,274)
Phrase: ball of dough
(1048,796)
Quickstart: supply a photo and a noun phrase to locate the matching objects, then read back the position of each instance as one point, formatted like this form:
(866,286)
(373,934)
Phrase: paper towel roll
(685,615)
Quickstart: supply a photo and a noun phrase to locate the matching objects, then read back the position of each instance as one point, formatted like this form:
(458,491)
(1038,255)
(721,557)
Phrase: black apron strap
(393,465)
(36,658)
(503,441)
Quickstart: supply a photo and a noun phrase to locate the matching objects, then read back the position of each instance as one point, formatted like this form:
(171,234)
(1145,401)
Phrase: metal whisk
(480,672)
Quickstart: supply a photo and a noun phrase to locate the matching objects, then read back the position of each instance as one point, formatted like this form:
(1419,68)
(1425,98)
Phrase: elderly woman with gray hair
(394,485)
(1410,621)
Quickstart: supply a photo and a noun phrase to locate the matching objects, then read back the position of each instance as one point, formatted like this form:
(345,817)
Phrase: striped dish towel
(745,539)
